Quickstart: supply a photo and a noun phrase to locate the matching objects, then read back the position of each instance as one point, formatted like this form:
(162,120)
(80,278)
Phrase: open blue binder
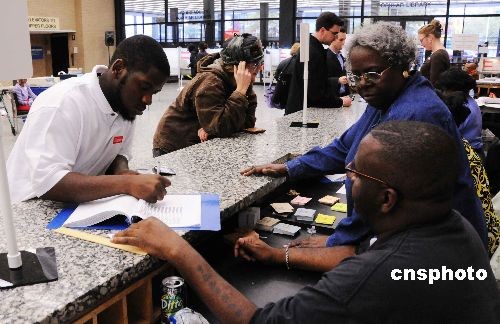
(210,217)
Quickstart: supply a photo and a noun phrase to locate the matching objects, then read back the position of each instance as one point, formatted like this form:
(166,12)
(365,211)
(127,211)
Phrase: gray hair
(390,41)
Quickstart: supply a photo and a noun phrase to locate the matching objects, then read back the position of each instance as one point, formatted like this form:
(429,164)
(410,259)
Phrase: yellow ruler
(99,240)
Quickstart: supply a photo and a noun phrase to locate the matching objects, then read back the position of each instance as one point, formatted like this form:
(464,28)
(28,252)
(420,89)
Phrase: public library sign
(43,23)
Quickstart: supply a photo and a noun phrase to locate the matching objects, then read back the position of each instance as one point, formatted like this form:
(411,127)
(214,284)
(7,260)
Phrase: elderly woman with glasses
(379,60)
(218,102)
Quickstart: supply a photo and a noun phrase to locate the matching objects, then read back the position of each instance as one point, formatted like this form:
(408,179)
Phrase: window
(184,22)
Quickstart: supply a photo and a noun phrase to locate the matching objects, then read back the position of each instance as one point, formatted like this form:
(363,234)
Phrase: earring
(406,74)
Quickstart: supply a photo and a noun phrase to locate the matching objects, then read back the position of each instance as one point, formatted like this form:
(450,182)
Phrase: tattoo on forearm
(212,284)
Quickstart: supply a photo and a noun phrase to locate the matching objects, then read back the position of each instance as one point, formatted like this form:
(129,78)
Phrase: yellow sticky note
(340,207)
(325,219)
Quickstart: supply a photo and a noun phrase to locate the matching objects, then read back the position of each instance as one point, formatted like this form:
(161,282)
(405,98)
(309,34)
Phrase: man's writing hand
(150,187)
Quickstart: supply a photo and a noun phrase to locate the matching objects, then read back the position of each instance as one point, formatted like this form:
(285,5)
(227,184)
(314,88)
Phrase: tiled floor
(146,124)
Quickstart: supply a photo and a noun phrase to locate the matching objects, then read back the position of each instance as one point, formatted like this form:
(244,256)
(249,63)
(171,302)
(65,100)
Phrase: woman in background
(453,92)
(218,102)
(293,51)
(23,92)
(439,61)
(283,76)
(457,80)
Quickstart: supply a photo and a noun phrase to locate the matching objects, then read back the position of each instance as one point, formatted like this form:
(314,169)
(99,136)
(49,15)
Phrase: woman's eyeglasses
(369,77)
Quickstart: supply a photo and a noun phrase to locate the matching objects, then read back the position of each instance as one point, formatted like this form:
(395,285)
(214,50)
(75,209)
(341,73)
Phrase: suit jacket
(335,71)
(319,93)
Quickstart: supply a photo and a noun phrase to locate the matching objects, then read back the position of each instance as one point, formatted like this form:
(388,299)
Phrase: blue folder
(210,217)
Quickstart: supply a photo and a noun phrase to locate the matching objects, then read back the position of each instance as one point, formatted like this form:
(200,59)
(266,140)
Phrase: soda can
(172,298)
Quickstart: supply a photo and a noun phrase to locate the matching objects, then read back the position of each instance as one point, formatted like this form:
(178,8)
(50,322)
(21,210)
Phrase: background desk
(491,118)
(490,108)
(488,85)
(91,274)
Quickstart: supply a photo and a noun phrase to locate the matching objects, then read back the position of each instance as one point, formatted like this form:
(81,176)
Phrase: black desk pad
(312,188)
(261,283)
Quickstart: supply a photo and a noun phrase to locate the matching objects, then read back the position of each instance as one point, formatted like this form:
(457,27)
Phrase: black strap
(281,72)
(286,66)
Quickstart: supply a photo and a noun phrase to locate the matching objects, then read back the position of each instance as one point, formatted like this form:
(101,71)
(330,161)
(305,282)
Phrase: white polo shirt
(70,128)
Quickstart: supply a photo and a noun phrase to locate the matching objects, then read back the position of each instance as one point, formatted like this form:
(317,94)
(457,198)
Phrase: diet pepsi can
(172,298)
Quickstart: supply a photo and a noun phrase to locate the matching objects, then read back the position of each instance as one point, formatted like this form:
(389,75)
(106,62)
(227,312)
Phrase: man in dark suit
(335,62)
(319,93)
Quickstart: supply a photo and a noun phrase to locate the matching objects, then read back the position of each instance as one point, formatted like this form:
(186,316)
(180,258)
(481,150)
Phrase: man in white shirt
(75,145)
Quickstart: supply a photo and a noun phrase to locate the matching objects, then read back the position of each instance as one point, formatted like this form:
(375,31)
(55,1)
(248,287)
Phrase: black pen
(135,219)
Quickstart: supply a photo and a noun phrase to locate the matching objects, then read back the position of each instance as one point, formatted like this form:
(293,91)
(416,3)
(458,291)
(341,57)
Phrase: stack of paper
(299,200)
(329,200)
(266,224)
(340,207)
(282,208)
(336,177)
(325,219)
(286,229)
(305,214)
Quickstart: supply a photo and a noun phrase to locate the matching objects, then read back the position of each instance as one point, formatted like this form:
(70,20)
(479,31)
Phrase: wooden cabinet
(134,304)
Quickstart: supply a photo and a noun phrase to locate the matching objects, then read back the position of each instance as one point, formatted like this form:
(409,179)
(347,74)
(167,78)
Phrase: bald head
(418,158)
(403,174)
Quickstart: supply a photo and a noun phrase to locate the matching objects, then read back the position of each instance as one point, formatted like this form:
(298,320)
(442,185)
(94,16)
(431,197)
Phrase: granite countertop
(90,273)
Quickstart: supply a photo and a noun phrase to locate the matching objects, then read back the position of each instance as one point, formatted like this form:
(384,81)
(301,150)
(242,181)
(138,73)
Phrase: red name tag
(117,139)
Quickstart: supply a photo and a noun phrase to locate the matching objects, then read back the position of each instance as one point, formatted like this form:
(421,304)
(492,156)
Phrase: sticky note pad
(325,219)
(282,208)
(286,229)
(340,207)
(329,200)
(299,200)
(306,212)
(267,224)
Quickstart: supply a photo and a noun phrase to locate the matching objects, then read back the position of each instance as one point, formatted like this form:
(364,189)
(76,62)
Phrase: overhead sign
(188,15)
(462,42)
(411,4)
(43,23)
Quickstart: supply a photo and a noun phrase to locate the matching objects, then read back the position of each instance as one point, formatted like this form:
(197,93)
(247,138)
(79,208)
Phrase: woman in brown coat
(218,102)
